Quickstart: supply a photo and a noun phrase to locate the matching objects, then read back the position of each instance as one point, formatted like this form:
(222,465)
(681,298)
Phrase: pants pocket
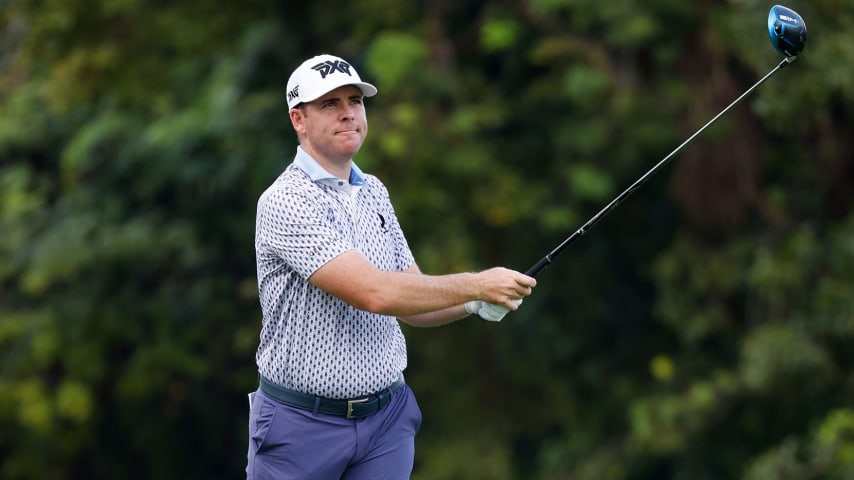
(261,421)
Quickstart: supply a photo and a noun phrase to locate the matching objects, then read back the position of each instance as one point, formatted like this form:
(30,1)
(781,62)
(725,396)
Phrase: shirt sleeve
(298,230)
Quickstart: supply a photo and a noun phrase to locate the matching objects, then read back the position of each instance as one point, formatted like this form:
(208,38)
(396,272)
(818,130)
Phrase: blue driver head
(787,31)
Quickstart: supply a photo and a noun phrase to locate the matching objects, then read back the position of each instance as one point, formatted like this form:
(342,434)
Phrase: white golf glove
(489,311)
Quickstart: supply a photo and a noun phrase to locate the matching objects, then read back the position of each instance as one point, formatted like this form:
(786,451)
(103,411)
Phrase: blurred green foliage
(701,331)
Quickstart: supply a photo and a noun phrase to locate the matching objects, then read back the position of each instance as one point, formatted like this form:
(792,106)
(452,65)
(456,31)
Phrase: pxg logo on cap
(332,66)
(320,75)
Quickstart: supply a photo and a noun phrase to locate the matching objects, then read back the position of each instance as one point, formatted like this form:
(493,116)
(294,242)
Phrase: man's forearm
(413,294)
(436,318)
(353,279)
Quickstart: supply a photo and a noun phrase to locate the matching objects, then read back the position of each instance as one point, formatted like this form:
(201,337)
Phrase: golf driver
(788,34)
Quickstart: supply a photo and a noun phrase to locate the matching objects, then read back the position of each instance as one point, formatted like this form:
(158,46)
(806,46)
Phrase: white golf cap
(320,75)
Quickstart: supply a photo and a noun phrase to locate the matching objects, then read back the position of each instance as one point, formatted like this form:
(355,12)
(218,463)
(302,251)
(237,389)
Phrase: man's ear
(297,121)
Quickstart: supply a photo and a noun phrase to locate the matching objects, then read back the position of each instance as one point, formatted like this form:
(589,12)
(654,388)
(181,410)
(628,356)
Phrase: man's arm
(437,317)
(419,299)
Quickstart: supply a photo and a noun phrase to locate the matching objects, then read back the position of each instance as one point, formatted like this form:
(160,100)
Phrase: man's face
(334,126)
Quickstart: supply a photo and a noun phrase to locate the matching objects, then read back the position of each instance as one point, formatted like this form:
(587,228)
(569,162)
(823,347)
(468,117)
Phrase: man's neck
(337,167)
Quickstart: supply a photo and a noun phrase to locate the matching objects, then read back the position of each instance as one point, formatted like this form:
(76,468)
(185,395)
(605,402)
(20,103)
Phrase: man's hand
(501,286)
(489,311)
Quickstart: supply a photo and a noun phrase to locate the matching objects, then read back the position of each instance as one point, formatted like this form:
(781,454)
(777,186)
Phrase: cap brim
(367,89)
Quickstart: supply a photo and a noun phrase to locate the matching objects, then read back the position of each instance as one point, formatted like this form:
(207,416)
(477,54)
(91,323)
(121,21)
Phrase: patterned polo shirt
(311,341)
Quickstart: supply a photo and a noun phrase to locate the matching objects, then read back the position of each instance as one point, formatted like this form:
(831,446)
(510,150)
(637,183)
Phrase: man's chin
(351,146)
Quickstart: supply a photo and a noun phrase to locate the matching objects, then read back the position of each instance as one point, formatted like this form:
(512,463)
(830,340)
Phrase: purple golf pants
(289,443)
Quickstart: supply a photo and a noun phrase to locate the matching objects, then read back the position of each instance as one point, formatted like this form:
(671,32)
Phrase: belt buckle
(350,405)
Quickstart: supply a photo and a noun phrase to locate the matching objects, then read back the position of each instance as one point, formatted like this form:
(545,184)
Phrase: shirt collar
(317,173)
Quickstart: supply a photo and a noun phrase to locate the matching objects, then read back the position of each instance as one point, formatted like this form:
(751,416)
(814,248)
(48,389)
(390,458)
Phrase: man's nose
(348,111)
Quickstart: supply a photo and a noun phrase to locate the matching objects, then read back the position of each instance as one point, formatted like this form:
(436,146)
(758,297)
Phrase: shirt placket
(346,197)
(353,205)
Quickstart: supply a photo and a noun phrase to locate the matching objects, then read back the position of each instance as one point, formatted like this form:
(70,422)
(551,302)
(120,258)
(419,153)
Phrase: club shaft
(547,260)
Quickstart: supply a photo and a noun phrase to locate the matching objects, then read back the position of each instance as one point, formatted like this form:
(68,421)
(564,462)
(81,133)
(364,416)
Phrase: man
(335,274)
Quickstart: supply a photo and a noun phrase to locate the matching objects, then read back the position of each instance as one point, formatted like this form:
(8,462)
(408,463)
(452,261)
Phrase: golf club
(788,34)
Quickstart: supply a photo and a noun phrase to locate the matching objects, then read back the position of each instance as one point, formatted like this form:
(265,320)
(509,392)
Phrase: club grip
(543,263)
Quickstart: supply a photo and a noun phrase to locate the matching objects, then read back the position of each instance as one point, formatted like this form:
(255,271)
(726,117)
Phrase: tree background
(701,331)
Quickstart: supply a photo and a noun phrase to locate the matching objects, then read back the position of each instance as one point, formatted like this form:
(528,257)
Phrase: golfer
(335,274)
